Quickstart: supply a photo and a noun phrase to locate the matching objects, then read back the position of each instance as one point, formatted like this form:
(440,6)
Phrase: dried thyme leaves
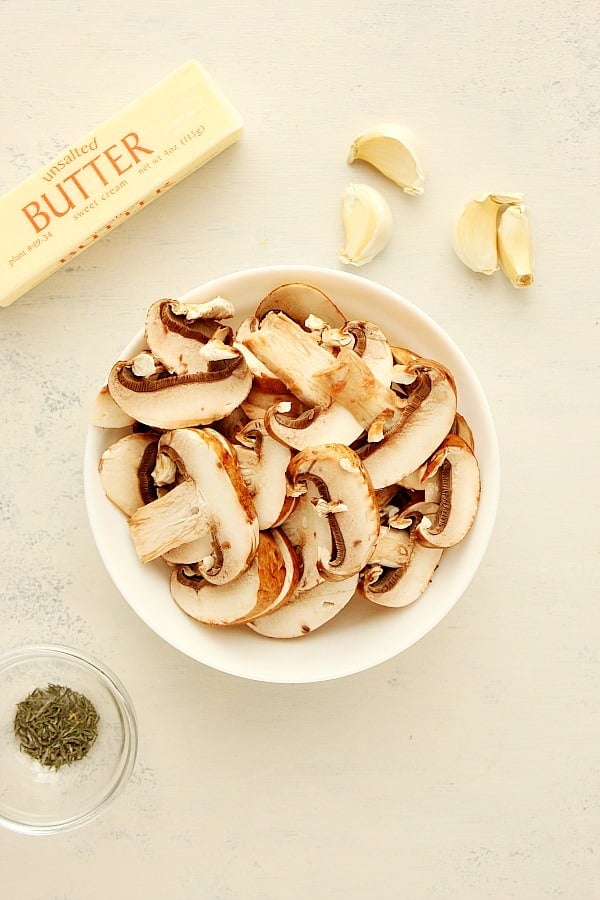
(56,725)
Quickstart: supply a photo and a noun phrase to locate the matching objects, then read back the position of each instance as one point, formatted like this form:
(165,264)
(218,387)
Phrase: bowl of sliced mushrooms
(291,473)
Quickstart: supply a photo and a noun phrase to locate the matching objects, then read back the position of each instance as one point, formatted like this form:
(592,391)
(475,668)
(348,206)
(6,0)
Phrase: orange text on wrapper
(65,196)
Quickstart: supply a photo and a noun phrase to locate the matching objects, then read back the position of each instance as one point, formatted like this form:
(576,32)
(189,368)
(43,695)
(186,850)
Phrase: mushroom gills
(126,471)
(423,424)
(178,401)
(333,473)
(397,586)
(460,487)
(175,340)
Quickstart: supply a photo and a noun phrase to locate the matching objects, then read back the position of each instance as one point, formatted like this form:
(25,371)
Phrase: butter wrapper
(110,174)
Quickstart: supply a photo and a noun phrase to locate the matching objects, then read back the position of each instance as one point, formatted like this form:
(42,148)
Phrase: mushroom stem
(351,383)
(173,519)
(317,377)
(293,356)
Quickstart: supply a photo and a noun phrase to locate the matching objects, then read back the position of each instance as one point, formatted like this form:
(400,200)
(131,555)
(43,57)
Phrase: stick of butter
(110,174)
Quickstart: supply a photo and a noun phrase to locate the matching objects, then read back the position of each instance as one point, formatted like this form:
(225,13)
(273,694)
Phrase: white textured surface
(468,766)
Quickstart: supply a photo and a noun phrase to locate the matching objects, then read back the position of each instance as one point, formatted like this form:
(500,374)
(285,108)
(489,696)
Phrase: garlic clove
(515,250)
(395,152)
(475,234)
(367,220)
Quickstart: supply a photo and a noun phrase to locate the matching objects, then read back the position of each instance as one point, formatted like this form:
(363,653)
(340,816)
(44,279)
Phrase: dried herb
(56,725)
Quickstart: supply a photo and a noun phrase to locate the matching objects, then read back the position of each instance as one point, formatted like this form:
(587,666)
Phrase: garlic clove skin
(515,250)
(367,220)
(395,152)
(475,234)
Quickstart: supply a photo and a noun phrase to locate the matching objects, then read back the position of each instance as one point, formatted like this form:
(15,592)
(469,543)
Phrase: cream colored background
(468,766)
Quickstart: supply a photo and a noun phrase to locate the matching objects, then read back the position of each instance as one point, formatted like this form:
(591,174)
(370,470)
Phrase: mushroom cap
(266,584)
(299,301)
(206,457)
(306,610)
(334,474)
(178,401)
(126,471)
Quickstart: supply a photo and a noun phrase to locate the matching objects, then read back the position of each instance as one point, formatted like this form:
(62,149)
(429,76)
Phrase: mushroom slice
(306,533)
(258,368)
(320,380)
(126,471)
(461,429)
(105,413)
(340,493)
(191,553)
(460,488)
(177,401)
(210,499)
(265,394)
(422,425)
(299,301)
(399,570)
(175,339)
(269,582)
(371,344)
(263,463)
(307,610)
(305,427)
(300,427)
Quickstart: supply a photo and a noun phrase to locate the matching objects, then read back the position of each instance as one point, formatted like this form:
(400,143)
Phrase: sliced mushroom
(175,339)
(299,301)
(307,610)
(211,498)
(462,430)
(422,425)
(460,487)
(126,471)
(176,401)
(265,394)
(344,418)
(105,413)
(340,493)
(399,570)
(266,585)
(263,464)
(307,534)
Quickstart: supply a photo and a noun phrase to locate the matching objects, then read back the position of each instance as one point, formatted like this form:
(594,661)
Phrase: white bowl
(362,635)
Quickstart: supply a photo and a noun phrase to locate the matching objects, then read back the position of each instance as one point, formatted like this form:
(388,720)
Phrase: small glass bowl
(37,799)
